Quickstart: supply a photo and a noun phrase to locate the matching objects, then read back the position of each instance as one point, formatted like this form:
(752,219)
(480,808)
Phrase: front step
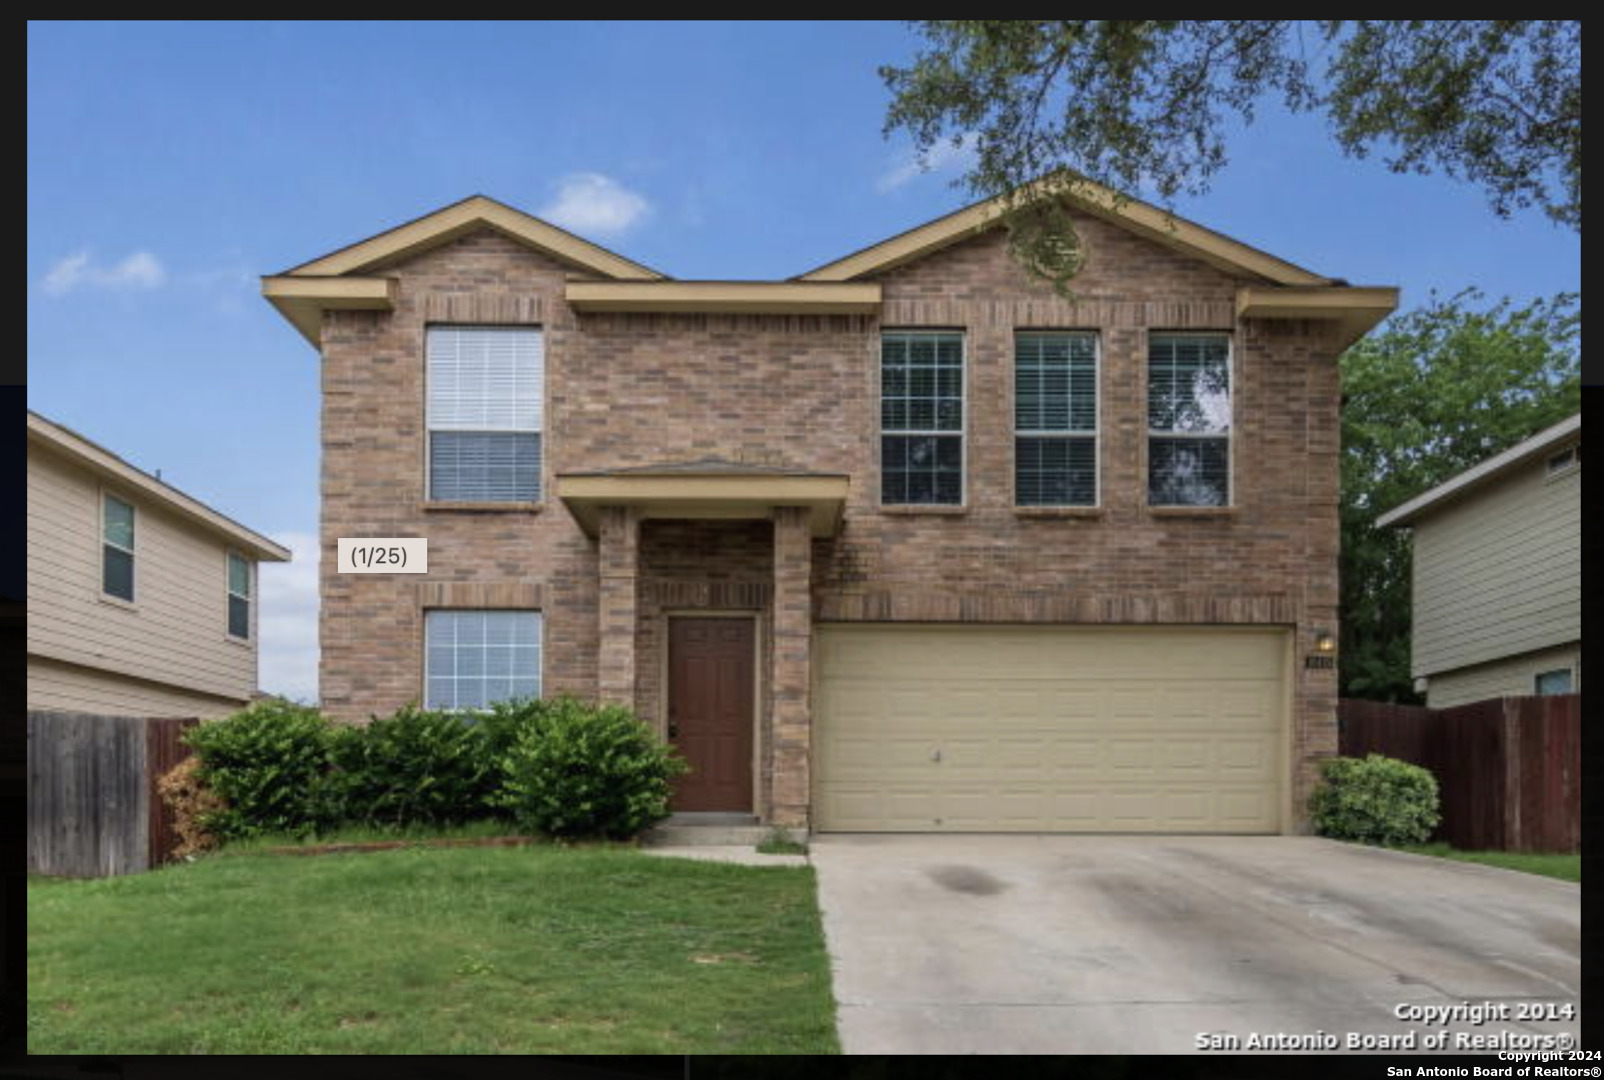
(708,829)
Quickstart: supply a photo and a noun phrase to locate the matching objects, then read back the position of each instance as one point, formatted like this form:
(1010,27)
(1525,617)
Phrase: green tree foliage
(1136,105)
(1436,391)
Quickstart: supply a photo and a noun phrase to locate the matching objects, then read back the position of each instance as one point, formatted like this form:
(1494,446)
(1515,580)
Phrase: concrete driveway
(1133,944)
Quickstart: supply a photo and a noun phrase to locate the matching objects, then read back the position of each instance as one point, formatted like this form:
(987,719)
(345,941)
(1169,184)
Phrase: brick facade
(801,391)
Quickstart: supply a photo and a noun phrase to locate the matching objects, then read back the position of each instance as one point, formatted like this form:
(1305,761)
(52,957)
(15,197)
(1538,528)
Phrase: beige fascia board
(1455,487)
(108,466)
(477,211)
(693,497)
(303,300)
(1356,308)
(735,297)
(1187,237)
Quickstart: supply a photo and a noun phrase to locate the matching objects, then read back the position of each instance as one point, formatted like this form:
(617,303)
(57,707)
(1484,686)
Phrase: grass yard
(1564,867)
(455,950)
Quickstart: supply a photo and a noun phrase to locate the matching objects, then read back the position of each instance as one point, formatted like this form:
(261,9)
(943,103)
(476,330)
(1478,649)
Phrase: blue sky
(170,165)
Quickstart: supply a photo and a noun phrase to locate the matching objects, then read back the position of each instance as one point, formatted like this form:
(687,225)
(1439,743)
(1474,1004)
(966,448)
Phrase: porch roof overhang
(1355,309)
(705,489)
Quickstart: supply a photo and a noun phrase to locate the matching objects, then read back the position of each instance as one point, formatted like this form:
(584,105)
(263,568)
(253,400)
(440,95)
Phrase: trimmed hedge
(562,767)
(1375,800)
(415,767)
(575,769)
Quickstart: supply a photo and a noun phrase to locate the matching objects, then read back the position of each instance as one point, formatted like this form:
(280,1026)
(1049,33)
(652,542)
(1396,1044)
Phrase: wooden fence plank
(1508,769)
(164,748)
(90,792)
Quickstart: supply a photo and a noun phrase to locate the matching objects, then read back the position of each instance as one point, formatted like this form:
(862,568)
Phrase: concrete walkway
(1131,944)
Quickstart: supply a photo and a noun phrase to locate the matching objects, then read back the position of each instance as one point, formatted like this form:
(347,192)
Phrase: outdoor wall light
(1324,641)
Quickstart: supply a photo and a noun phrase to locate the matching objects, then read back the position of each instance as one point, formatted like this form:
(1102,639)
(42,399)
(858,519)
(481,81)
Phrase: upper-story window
(921,418)
(239,595)
(1189,420)
(117,548)
(1055,419)
(486,385)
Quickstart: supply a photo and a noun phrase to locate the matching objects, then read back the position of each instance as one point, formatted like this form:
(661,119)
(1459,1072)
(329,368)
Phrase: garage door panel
(1049,729)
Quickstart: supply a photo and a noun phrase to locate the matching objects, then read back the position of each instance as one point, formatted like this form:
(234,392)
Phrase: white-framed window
(922,418)
(117,547)
(1055,419)
(1188,420)
(486,388)
(239,596)
(476,658)
(1558,681)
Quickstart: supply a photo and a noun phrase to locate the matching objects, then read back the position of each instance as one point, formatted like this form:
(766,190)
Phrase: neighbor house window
(921,418)
(1189,420)
(1564,461)
(1557,681)
(485,389)
(1055,420)
(239,595)
(477,658)
(117,548)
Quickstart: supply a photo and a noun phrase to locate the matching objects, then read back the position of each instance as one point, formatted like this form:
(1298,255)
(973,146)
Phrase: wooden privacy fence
(92,804)
(1509,769)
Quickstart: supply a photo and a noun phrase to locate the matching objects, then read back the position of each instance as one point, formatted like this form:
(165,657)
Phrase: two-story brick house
(904,543)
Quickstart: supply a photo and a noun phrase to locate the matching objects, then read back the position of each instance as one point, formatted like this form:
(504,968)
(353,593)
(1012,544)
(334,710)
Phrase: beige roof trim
(1356,308)
(457,219)
(1146,220)
(97,459)
(703,496)
(754,297)
(1473,477)
(303,300)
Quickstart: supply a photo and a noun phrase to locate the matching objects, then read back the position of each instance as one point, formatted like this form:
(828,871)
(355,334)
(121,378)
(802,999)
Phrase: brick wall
(628,389)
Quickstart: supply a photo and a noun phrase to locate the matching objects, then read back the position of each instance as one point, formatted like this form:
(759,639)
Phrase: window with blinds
(477,658)
(1055,419)
(1189,420)
(921,418)
(486,390)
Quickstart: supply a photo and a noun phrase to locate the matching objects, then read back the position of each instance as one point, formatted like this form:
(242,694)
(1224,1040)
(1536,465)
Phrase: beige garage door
(1059,729)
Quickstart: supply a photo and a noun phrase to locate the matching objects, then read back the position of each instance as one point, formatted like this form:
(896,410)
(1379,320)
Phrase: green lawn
(1564,867)
(457,950)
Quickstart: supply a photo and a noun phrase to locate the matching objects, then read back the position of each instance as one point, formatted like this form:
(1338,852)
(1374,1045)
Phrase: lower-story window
(477,658)
(1557,681)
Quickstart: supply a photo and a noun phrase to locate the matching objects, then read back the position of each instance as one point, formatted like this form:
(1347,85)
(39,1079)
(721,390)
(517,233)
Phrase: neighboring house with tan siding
(1498,574)
(907,542)
(142,601)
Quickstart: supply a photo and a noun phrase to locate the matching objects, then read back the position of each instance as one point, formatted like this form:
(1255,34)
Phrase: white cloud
(287,622)
(141,270)
(595,204)
(942,157)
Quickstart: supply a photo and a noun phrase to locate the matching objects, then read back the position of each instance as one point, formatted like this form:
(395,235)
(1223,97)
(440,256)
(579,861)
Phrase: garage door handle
(935,755)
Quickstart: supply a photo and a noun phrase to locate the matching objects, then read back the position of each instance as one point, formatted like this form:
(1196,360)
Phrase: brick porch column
(793,637)
(618,568)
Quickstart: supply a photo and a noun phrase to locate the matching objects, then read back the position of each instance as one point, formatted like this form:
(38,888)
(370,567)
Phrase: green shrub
(269,765)
(571,768)
(416,767)
(1376,800)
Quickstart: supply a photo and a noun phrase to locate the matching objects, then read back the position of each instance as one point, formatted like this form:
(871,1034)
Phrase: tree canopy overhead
(1143,105)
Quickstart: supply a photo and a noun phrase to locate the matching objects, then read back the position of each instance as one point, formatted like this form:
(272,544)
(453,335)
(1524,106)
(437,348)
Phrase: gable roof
(90,455)
(1478,475)
(354,277)
(1139,217)
(474,212)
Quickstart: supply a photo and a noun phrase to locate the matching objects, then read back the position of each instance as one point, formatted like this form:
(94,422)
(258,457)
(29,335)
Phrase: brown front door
(710,679)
